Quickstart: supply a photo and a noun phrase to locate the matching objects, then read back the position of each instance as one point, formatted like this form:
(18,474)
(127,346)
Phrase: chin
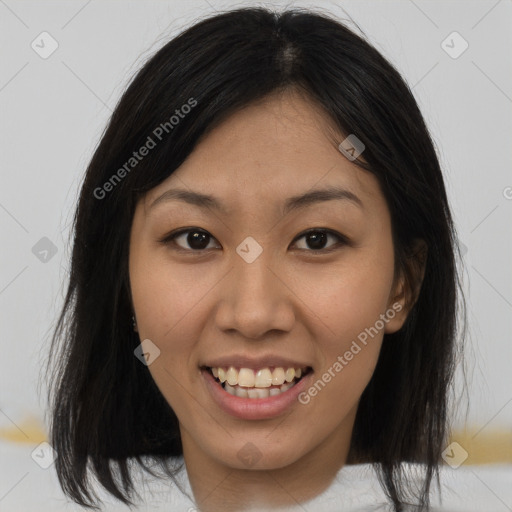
(262,456)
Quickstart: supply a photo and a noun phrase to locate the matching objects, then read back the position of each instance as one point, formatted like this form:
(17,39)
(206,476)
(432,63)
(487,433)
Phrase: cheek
(164,295)
(349,339)
(351,299)
(165,299)
(350,302)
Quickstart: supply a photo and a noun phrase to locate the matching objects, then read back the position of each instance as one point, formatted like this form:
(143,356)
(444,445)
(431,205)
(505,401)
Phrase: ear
(407,286)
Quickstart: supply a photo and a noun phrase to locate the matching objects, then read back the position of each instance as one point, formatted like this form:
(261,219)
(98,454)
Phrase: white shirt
(26,487)
(357,489)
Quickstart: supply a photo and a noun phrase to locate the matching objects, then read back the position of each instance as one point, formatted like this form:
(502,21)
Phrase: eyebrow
(206,201)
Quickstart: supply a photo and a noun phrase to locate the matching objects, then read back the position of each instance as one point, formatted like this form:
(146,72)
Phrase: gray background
(53,111)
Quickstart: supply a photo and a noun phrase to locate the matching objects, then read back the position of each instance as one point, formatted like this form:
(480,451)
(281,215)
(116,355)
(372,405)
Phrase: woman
(208,319)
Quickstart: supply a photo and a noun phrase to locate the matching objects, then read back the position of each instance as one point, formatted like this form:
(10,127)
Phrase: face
(259,290)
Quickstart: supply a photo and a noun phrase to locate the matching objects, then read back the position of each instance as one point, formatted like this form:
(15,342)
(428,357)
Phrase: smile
(262,383)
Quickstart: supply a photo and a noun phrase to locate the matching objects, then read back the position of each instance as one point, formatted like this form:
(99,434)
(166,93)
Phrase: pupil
(196,239)
(318,238)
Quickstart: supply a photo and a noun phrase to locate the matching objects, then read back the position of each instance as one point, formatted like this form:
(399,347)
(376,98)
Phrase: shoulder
(356,488)
(155,493)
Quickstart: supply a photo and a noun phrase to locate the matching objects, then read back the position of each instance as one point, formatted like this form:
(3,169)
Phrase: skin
(210,302)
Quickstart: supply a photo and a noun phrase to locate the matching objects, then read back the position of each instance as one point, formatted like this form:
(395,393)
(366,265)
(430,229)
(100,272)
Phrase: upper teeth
(263,378)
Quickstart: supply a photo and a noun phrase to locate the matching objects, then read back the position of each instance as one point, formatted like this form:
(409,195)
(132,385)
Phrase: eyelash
(342,240)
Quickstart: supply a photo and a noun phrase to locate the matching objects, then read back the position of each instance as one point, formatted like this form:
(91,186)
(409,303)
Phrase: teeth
(286,387)
(246,378)
(257,392)
(289,375)
(261,380)
(232,376)
(241,392)
(278,376)
(262,393)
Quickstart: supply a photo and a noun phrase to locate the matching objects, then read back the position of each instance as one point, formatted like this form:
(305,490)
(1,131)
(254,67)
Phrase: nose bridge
(253,277)
(256,300)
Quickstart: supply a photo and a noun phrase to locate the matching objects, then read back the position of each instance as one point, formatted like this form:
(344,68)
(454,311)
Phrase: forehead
(271,150)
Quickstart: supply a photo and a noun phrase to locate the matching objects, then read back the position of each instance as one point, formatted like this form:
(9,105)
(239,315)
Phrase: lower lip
(254,408)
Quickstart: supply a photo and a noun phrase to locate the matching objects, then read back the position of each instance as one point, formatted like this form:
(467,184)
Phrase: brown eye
(316,239)
(197,240)
(194,239)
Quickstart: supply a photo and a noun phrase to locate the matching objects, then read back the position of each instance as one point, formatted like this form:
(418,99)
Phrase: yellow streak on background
(486,447)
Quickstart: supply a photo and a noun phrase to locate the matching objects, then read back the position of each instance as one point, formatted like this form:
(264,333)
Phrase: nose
(255,300)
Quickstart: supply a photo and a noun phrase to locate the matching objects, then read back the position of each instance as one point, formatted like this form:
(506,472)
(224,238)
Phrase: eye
(198,239)
(317,238)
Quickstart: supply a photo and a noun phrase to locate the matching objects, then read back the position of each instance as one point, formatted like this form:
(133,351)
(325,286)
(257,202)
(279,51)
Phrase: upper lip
(255,363)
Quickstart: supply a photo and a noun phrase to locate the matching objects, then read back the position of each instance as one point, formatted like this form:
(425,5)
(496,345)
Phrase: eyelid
(342,239)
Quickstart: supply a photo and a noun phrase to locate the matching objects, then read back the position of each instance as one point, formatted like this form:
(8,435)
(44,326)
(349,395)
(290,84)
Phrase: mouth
(257,383)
